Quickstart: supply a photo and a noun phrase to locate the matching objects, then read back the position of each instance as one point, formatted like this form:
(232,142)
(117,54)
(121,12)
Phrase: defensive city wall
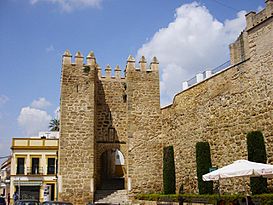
(225,107)
(103,114)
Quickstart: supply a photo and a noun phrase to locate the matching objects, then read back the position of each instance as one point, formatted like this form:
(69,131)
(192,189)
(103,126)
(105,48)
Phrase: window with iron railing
(34,170)
(51,165)
(35,166)
(20,166)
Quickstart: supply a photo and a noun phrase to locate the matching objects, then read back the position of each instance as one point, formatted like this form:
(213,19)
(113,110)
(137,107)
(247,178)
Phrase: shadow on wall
(109,159)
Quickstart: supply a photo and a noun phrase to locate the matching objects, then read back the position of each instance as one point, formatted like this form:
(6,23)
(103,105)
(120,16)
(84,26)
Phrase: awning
(27,183)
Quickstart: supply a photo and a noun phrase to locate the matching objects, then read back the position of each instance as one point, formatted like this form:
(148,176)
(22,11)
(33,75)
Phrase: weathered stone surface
(224,108)
(77,133)
(102,114)
(111,120)
(144,129)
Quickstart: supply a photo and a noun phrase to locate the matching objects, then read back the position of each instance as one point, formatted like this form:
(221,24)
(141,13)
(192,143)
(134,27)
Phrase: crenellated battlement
(79,59)
(253,19)
(108,73)
(131,66)
(240,49)
(91,61)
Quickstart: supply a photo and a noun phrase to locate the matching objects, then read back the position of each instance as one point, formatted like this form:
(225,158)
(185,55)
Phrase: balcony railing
(51,169)
(35,170)
(20,170)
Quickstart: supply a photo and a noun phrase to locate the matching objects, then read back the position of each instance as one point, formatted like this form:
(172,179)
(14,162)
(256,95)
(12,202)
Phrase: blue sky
(186,36)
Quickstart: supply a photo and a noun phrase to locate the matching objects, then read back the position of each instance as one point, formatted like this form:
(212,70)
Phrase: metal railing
(20,170)
(34,170)
(205,74)
(51,169)
(221,67)
(192,81)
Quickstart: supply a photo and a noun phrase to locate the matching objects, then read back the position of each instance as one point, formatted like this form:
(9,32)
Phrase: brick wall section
(222,110)
(144,129)
(76,151)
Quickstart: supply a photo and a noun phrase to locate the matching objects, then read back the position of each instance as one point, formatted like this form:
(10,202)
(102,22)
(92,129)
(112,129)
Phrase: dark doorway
(29,192)
(52,192)
(112,170)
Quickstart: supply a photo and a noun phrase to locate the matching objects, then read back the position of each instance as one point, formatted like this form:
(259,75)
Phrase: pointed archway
(112,170)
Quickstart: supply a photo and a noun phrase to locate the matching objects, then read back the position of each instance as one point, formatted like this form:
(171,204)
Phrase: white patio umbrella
(240,168)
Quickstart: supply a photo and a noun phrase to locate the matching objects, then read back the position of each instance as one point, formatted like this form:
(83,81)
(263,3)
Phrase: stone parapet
(253,19)
(222,110)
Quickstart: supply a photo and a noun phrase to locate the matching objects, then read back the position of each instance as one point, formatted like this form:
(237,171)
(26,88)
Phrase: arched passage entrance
(112,170)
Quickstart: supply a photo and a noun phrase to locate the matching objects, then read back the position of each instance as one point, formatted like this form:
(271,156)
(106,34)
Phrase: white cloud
(41,103)
(57,113)
(33,120)
(50,48)
(69,5)
(194,41)
(260,8)
(3,99)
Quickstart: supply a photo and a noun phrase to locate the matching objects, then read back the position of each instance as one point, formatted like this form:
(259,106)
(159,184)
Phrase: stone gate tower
(77,134)
(110,128)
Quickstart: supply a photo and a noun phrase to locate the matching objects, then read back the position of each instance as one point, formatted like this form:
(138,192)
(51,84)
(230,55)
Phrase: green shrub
(262,199)
(190,198)
(168,170)
(269,202)
(181,189)
(203,163)
(257,153)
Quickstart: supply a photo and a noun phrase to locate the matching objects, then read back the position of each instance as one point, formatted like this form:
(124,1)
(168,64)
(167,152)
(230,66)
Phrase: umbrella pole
(244,182)
(219,191)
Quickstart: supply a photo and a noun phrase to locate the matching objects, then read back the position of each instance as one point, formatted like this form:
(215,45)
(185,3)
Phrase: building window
(20,165)
(35,166)
(51,165)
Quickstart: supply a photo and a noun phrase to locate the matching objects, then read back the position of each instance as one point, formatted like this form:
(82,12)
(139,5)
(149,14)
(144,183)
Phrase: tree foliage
(54,125)
(203,163)
(168,170)
(257,153)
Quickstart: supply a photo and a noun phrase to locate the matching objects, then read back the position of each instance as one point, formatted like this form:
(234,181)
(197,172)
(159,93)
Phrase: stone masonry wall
(239,50)
(144,128)
(111,110)
(111,119)
(223,109)
(99,114)
(76,149)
